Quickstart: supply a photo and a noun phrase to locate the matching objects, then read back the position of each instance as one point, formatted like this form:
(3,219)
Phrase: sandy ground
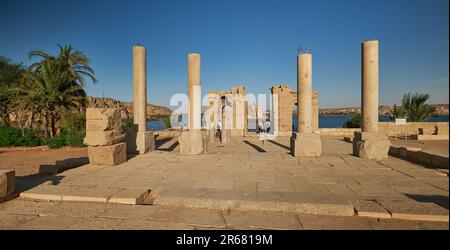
(440,147)
(27,161)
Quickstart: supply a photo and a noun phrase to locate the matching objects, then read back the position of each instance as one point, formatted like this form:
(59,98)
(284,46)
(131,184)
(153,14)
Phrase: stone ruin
(104,137)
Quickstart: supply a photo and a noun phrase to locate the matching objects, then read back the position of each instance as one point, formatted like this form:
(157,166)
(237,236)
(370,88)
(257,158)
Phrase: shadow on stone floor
(440,200)
(24,183)
(63,165)
(257,148)
(280,145)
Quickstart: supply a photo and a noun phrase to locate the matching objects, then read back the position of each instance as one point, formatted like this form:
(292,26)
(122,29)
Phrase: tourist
(267,126)
(260,127)
(219,130)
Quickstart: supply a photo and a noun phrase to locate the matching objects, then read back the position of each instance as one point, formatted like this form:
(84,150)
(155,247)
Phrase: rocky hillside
(441,110)
(153,111)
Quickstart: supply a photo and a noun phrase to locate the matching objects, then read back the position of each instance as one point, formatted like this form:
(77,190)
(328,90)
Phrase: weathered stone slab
(193,142)
(366,208)
(103,125)
(306,145)
(131,196)
(108,155)
(103,138)
(285,202)
(47,192)
(103,114)
(7,183)
(412,210)
(95,194)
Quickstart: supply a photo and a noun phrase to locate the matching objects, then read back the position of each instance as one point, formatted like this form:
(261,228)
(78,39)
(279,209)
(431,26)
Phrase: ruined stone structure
(194,141)
(230,108)
(105,140)
(305,143)
(140,141)
(370,143)
(282,117)
(7,183)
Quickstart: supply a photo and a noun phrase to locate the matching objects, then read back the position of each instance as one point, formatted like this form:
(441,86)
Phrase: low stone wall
(417,155)
(410,128)
(349,132)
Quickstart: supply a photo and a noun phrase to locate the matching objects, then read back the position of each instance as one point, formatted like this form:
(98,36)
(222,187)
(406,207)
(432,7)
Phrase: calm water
(327,121)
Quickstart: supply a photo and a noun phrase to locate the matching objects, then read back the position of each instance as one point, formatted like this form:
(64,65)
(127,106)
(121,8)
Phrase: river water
(325,121)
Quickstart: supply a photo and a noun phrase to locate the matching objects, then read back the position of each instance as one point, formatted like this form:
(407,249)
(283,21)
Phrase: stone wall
(408,129)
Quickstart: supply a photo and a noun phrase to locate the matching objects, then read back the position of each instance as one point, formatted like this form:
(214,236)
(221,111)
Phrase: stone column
(138,71)
(370,143)
(194,91)
(305,143)
(315,111)
(194,141)
(140,141)
(304,93)
(369,86)
(141,89)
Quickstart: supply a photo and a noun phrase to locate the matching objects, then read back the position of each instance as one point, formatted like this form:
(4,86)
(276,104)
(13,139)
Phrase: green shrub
(129,126)
(73,129)
(13,137)
(73,138)
(10,136)
(354,122)
(55,142)
(166,121)
(30,139)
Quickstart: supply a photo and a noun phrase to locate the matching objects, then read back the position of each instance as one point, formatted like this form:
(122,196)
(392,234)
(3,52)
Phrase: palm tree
(74,61)
(51,91)
(416,109)
(10,75)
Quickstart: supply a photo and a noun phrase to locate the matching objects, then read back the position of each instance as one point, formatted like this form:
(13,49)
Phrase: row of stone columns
(305,143)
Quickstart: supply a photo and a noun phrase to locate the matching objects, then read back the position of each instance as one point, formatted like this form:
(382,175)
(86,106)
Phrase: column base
(107,155)
(193,142)
(140,143)
(372,146)
(225,136)
(306,145)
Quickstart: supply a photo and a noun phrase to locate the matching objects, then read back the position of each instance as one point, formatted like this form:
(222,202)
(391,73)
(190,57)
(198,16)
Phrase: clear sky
(242,42)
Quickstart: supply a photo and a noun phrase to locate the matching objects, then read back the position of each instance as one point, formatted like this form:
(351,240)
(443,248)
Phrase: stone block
(140,143)
(103,114)
(7,183)
(193,142)
(108,155)
(440,161)
(103,138)
(145,142)
(103,125)
(306,145)
(420,156)
(372,146)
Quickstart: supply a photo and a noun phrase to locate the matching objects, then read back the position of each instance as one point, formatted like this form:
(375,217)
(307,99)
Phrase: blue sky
(251,43)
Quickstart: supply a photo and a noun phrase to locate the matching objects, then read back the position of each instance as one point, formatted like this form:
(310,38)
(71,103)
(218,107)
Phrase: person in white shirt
(267,126)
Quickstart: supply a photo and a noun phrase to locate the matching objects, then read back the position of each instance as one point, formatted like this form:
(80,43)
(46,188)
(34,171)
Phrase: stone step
(286,202)
(48,192)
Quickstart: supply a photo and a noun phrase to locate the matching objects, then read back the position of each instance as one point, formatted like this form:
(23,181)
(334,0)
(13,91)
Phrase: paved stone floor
(24,214)
(247,177)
